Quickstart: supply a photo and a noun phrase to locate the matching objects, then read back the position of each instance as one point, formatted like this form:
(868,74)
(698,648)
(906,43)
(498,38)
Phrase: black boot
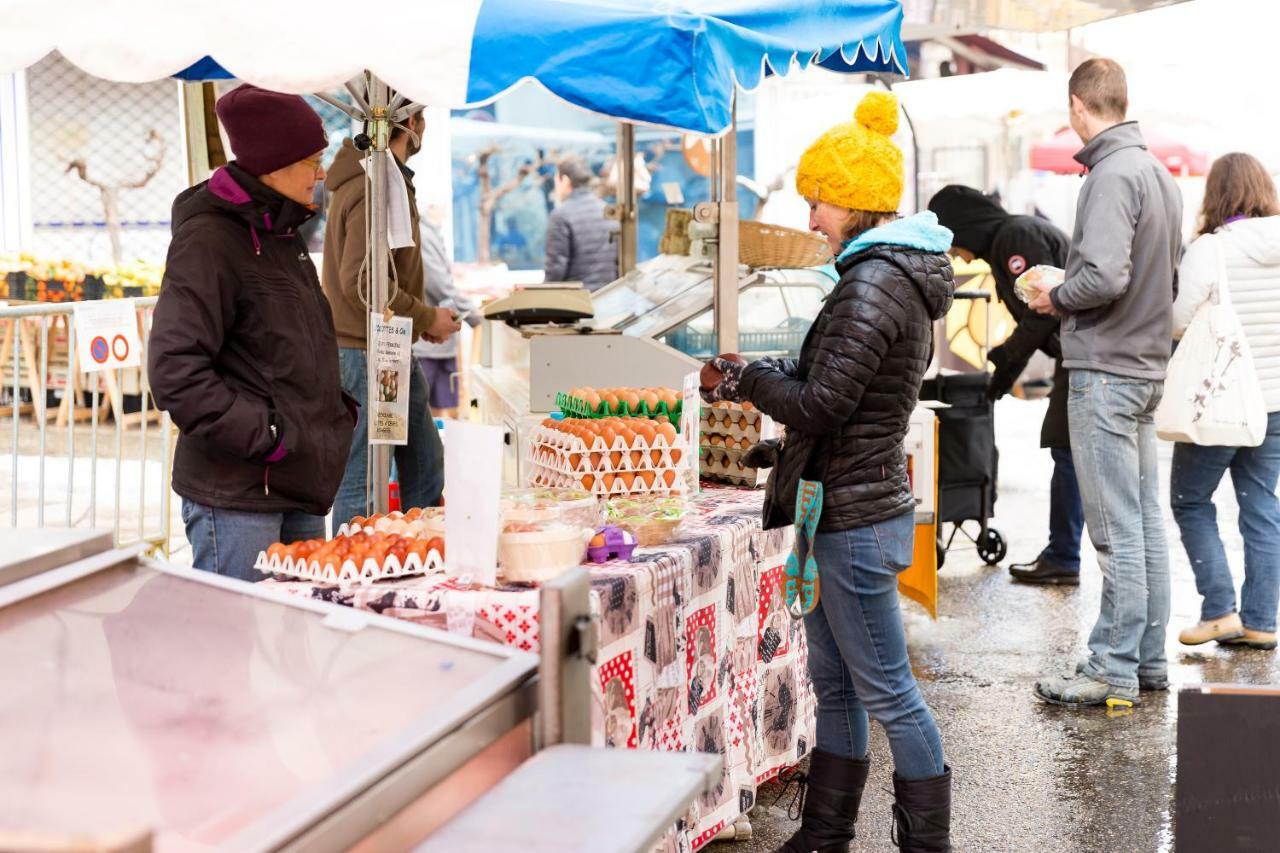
(830,795)
(922,814)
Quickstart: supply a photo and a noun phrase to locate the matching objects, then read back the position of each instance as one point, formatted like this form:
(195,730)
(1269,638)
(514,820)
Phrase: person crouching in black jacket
(1011,245)
(846,403)
(242,352)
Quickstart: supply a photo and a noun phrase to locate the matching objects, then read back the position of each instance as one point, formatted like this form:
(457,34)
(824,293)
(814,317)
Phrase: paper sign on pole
(473,482)
(390,357)
(690,423)
(107,335)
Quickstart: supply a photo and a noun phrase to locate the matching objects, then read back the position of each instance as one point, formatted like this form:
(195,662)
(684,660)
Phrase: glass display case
(670,299)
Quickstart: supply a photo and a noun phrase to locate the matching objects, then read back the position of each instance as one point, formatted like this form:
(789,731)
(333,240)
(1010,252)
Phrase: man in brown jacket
(420,463)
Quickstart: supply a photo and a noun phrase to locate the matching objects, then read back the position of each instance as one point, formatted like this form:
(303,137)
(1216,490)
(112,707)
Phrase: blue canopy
(664,63)
(673,64)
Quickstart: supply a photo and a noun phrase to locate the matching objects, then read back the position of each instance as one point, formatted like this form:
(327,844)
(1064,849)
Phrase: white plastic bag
(1028,285)
(1211,393)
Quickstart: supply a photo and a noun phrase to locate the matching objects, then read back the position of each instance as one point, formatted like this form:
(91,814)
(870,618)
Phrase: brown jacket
(344,279)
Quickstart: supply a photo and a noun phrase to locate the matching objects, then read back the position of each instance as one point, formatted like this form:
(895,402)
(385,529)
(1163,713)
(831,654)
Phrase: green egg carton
(575,407)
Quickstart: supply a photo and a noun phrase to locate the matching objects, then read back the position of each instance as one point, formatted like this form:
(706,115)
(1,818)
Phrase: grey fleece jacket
(1122,270)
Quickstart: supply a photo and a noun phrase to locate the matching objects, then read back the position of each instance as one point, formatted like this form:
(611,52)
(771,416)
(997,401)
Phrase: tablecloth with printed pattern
(695,648)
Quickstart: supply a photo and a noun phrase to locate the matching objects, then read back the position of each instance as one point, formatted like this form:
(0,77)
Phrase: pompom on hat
(855,165)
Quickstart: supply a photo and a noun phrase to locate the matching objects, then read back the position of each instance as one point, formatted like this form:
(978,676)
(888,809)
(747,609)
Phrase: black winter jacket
(847,401)
(1011,245)
(243,340)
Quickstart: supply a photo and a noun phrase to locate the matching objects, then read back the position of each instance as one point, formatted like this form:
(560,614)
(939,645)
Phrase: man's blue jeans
(1197,471)
(419,464)
(1066,512)
(227,541)
(858,649)
(1113,441)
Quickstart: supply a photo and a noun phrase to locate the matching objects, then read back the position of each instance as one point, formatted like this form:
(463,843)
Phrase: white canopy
(423,48)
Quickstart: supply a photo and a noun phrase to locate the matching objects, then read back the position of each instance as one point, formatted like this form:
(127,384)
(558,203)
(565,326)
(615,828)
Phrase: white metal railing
(38,354)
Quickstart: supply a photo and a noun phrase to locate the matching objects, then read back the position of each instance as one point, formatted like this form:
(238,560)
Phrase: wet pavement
(1029,776)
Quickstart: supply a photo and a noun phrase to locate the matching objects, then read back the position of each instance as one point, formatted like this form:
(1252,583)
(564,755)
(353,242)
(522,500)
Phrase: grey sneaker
(1083,691)
(1146,683)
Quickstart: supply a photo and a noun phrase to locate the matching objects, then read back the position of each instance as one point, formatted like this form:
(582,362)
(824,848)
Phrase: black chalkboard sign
(1228,793)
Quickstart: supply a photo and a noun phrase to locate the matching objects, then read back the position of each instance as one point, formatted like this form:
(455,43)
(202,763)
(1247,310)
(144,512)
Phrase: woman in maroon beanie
(242,352)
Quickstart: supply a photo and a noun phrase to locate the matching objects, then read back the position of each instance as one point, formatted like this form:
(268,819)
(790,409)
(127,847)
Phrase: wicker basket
(764,246)
(675,237)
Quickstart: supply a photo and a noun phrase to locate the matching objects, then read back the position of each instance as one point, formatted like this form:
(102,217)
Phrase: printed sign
(689,426)
(107,335)
(390,357)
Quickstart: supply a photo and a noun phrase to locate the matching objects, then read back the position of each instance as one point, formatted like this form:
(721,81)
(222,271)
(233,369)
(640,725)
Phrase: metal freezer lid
(24,553)
(219,715)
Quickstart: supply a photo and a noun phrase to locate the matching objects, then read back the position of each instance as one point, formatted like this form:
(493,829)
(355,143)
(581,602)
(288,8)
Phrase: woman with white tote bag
(1239,241)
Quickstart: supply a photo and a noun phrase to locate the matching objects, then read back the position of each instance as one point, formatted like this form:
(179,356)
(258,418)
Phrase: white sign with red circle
(107,334)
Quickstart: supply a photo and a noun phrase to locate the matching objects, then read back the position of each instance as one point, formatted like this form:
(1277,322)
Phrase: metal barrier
(37,344)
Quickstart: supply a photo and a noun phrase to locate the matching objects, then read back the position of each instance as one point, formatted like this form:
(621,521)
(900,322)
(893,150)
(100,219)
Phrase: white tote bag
(1211,393)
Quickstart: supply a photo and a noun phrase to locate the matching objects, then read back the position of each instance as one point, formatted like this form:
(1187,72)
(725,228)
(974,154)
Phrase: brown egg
(647,477)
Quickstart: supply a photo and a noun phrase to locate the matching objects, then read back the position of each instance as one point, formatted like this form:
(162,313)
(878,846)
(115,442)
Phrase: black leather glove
(1001,381)
(731,377)
(762,455)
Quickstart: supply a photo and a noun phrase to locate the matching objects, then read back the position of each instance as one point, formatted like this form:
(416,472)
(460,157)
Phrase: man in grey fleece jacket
(1116,306)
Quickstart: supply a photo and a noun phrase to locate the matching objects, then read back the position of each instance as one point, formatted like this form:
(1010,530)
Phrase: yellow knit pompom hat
(855,164)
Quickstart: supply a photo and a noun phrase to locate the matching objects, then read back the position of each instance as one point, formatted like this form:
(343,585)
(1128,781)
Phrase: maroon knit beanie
(269,130)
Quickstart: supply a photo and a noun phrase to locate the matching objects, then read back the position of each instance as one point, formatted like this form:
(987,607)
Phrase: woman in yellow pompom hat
(846,403)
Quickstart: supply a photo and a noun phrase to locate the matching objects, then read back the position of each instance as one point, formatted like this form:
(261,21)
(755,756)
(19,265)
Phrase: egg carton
(718,441)
(737,423)
(717,463)
(572,455)
(576,407)
(349,573)
(420,528)
(668,481)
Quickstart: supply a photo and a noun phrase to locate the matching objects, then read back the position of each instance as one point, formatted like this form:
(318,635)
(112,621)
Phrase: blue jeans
(419,464)
(227,541)
(1197,471)
(1113,441)
(858,649)
(1066,512)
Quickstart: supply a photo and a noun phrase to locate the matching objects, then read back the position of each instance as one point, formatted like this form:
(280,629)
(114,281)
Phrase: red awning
(1058,154)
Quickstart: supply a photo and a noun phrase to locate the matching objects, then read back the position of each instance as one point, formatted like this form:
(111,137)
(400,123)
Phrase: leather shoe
(1044,571)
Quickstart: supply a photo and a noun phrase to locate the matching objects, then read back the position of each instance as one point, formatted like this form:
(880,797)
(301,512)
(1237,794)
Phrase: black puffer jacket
(243,341)
(846,402)
(580,243)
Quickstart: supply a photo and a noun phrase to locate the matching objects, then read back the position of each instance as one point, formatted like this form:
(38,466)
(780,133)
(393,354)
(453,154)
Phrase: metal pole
(628,224)
(43,409)
(725,305)
(380,133)
(72,390)
(567,649)
(17,378)
(118,413)
(195,139)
